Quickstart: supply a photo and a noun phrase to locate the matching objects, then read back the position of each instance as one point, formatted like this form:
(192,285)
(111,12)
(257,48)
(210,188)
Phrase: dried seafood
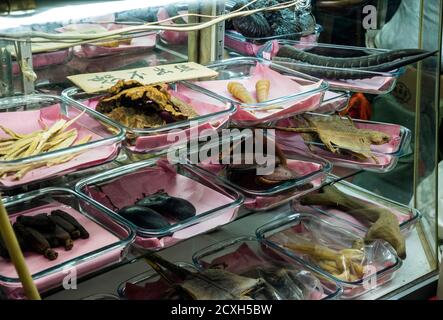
(383,224)
(141,106)
(18,146)
(341,135)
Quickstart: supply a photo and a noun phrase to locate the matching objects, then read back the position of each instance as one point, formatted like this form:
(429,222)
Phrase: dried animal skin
(262,90)
(239,92)
(129,118)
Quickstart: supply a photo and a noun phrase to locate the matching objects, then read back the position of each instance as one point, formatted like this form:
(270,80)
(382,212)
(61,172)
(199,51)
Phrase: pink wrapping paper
(29,121)
(248,48)
(99,238)
(127,189)
(280,87)
(375,85)
(156,141)
(91,50)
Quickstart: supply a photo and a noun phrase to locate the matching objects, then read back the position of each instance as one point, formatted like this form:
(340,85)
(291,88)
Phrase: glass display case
(341,62)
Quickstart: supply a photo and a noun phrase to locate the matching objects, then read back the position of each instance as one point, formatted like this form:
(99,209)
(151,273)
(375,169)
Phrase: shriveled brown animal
(383,224)
(143,106)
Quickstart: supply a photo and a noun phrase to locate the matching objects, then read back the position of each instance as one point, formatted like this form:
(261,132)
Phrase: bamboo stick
(16,255)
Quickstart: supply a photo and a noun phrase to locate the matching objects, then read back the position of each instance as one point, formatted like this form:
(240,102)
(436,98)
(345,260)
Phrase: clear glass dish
(106,245)
(287,98)
(216,203)
(25,114)
(150,279)
(246,254)
(407,217)
(101,296)
(215,114)
(248,46)
(379,264)
(311,169)
(375,83)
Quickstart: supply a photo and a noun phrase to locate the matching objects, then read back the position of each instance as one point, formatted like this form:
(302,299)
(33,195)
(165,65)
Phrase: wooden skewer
(16,255)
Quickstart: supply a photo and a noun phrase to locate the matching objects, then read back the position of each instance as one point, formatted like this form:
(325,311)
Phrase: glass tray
(216,203)
(25,114)
(380,259)
(215,114)
(106,245)
(287,98)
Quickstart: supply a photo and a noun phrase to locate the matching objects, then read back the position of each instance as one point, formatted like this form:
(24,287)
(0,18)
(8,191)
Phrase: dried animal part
(67,217)
(140,106)
(35,240)
(383,224)
(346,264)
(262,90)
(239,92)
(361,66)
(210,284)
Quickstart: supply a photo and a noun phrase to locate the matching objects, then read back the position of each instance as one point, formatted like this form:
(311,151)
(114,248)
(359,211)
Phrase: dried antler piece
(262,90)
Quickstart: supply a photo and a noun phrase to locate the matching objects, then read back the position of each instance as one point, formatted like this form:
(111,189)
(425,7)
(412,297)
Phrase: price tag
(96,82)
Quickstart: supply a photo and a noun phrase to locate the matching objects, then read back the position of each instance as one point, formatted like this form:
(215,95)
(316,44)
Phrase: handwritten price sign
(96,82)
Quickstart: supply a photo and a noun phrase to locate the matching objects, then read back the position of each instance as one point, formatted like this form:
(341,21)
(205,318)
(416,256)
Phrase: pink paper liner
(280,87)
(91,50)
(376,85)
(157,141)
(128,188)
(44,59)
(99,238)
(247,48)
(332,102)
(49,115)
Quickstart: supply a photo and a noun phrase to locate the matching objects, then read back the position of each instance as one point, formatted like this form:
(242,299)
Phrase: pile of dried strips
(19,146)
